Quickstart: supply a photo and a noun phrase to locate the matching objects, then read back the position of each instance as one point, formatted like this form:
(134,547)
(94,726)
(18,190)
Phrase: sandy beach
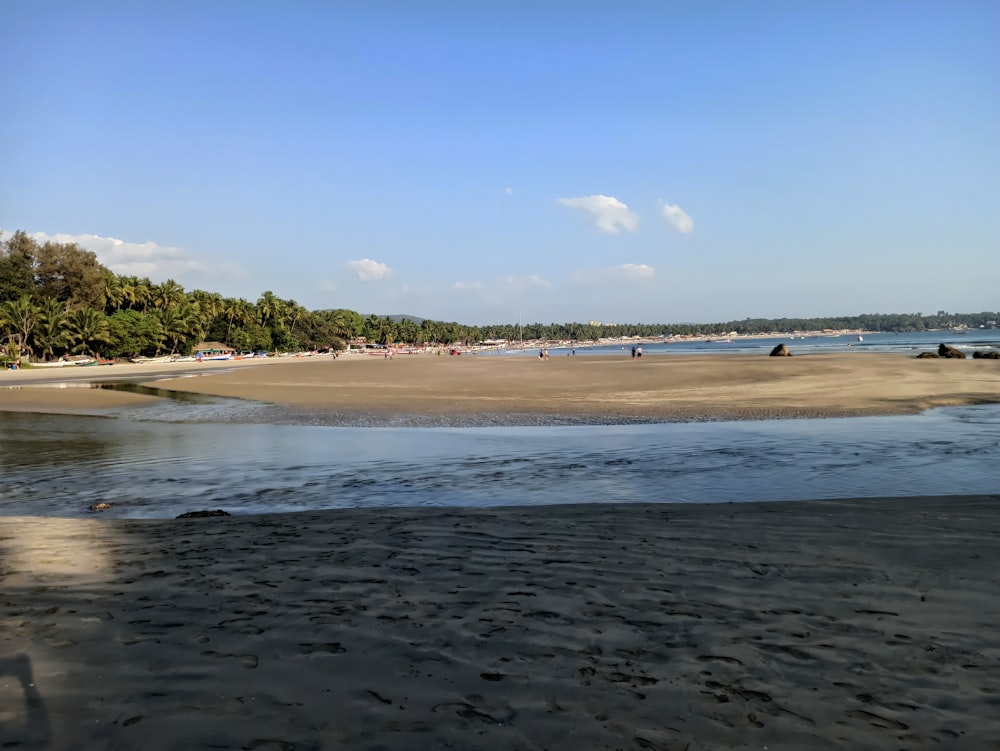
(854,624)
(818,625)
(361,389)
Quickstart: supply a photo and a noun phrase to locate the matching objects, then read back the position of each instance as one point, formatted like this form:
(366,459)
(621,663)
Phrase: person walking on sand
(633,353)
(638,352)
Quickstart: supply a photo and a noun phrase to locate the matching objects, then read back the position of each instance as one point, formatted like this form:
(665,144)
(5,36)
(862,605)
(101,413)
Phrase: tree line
(58,299)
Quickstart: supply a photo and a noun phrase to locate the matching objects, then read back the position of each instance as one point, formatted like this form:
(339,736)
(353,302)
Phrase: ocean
(912,343)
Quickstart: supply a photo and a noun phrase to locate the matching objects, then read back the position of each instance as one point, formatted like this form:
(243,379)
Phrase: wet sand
(816,625)
(505,389)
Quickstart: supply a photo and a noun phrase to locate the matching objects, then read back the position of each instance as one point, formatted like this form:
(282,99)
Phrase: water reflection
(60,465)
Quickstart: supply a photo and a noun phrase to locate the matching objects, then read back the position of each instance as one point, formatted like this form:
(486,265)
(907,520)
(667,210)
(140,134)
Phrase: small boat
(861,338)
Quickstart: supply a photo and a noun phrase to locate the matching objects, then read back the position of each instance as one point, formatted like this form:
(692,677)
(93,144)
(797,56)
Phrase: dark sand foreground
(816,625)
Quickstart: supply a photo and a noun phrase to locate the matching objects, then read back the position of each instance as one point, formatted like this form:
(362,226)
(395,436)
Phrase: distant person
(638,352)
(633,353)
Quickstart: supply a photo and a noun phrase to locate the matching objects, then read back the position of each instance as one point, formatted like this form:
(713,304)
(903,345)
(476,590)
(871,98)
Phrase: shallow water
(55,465)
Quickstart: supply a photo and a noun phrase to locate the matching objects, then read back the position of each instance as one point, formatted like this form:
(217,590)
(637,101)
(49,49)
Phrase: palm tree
(179,323)
(164,295)
(268,306)
(237,311)
(114,292)
(51,330)
(342,325)
(88,327)
(19,317)
(142,294)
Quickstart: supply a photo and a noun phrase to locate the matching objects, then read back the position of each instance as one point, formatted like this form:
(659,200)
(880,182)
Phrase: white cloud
(508,191)
(369,270)
(147,259)
(469,286)
(518,283)
(678,218)
(635,271)
(609,214)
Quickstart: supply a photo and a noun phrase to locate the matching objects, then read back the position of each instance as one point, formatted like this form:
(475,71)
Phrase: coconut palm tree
(19,318)
(180,323)
(237,312)
(51,331)
(114,292)
(88,328)
(268,306)
(162,296)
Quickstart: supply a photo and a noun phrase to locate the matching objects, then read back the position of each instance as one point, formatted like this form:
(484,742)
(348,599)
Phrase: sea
(911,343)
(203,453)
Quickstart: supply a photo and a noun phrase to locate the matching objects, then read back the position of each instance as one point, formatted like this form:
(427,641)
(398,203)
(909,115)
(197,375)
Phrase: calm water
(982,339)
(59,465)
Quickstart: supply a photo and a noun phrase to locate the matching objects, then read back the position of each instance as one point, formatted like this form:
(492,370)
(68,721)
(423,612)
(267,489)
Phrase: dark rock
(993,355)
(102,506)
(781,351)
(199,514)
(946,350)
(926,355)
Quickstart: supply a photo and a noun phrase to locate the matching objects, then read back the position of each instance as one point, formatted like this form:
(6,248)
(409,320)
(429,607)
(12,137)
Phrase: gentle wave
(56,465)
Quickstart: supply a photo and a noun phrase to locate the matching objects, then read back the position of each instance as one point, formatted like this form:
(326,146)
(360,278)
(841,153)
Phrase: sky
(499,160)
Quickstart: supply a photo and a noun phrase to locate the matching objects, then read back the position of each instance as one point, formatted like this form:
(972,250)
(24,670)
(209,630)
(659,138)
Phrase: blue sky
(485,161)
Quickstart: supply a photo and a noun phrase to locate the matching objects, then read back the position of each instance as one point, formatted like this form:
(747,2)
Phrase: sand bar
(597,388)
(817,625)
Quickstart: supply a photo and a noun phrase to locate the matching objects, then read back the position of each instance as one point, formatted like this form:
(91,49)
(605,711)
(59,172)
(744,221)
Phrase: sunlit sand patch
(54,547)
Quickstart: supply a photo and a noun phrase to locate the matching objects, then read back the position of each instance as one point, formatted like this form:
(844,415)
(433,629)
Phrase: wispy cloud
(635,271)
(609,214)
(146,259)
(519,283)
(468,286)
(678,218)
(627,272)
(369,270)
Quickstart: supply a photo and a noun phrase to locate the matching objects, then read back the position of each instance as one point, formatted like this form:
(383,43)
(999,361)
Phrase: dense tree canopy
(57,299)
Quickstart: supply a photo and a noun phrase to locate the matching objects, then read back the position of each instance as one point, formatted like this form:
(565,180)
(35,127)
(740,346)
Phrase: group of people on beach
(636,352)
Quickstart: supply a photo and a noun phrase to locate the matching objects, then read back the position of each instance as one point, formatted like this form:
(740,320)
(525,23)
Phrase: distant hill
(397,317)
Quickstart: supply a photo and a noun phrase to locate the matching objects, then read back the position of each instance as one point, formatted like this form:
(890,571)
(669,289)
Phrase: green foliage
(133,334)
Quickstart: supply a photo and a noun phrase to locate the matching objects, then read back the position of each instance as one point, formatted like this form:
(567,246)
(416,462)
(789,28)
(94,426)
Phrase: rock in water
(781,351)
(948,351)
(199,514)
